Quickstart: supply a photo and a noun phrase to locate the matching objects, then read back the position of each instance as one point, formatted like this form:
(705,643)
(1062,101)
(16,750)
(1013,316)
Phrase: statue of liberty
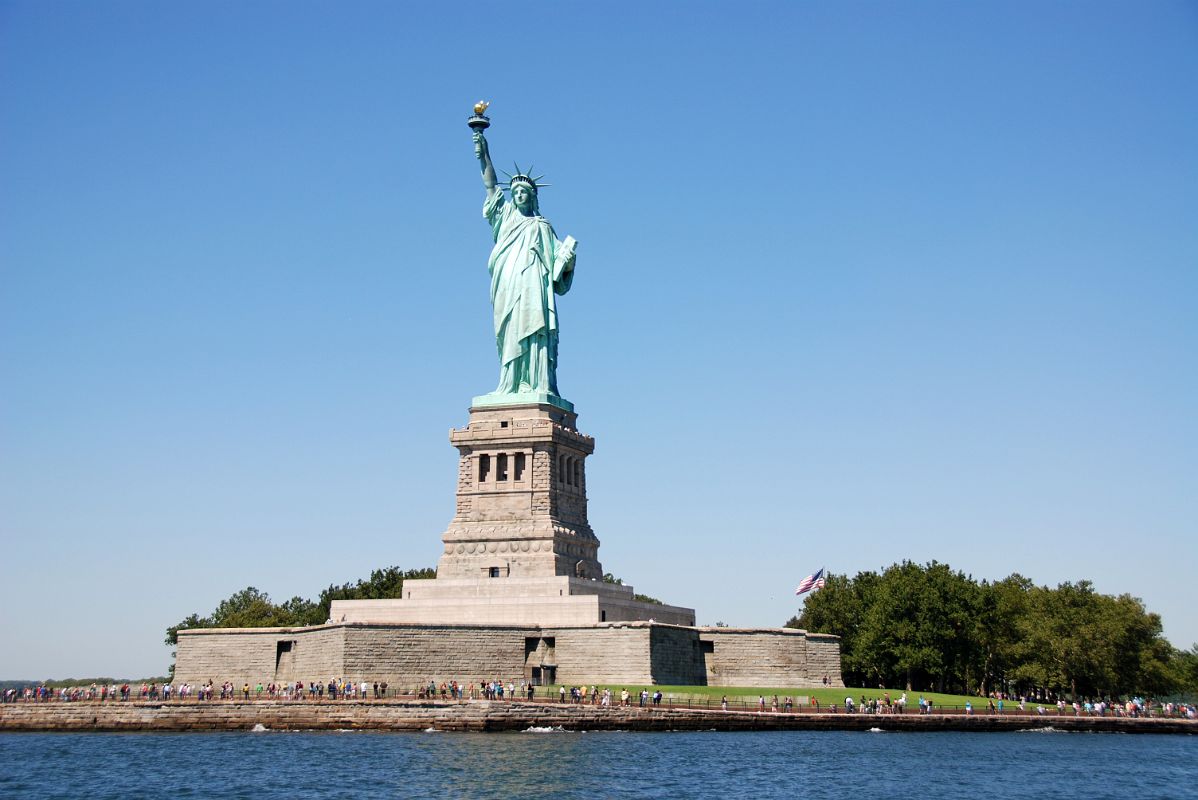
(529,266)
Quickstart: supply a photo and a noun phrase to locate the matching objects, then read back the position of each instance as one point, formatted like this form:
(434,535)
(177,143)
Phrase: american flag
(815,581)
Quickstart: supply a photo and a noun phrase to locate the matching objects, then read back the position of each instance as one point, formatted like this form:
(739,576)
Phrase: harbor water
(559,764)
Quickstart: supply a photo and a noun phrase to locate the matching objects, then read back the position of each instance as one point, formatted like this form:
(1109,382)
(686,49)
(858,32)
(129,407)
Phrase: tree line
(251,608)
(930,628)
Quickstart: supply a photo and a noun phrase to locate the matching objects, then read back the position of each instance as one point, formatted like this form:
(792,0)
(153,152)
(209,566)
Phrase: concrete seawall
(512,716)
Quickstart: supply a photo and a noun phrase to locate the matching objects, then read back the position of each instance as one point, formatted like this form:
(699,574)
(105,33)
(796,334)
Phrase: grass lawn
(748,695)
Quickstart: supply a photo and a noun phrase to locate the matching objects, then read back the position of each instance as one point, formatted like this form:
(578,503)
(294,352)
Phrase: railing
(734,705)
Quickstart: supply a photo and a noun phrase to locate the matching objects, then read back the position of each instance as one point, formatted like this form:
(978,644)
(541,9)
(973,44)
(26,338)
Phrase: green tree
(252,608)
(999,630)
(299,611)
(919,625)
(248,608)
(383,584)
(928,626)
(1070,639)
(1140,660)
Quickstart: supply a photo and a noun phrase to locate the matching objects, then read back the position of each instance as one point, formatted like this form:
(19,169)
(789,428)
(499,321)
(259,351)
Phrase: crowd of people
(295,690)
(333,689)
(998,705)
(348,689)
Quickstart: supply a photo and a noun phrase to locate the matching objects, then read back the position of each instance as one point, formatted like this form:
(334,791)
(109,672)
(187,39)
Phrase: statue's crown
(526,178)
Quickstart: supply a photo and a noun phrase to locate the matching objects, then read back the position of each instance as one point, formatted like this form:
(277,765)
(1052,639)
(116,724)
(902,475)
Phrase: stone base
(406,656)
(520,399)
(521,496)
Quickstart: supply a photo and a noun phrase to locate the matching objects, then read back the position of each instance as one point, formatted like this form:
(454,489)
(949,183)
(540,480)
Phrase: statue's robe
(529,265)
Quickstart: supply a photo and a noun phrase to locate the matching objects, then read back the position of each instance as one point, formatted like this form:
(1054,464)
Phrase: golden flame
(480,107)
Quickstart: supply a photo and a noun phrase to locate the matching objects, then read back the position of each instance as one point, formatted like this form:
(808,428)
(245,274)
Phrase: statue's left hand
(564,262)
(480,145)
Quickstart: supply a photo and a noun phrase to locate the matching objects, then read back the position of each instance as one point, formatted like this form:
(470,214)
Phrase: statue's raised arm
(483,153)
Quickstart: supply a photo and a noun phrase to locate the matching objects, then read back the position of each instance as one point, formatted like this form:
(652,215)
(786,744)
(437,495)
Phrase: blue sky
(857,283)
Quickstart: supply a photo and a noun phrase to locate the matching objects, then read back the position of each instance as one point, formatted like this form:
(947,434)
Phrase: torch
(479,123)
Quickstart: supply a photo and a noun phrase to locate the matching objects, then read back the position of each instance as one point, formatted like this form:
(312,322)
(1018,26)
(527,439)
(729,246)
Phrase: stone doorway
(284,658)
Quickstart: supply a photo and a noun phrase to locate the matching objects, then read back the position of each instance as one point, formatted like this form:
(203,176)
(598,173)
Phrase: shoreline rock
(497,716)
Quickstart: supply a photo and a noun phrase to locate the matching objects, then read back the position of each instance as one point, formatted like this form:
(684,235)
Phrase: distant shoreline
(481,715)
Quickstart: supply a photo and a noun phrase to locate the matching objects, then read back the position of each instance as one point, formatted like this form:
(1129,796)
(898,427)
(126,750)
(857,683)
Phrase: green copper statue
(529,265)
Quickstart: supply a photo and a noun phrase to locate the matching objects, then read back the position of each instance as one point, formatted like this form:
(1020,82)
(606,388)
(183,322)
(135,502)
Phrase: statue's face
(522,196)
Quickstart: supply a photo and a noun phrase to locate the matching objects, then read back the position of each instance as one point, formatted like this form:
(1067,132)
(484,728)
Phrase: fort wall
(408,655)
